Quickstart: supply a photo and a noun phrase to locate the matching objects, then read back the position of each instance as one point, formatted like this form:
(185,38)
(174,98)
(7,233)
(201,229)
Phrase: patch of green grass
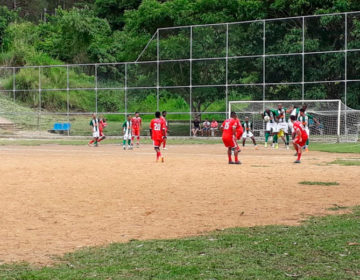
(346,162)
(321,248)
(337,208)
(336,148)
(316,183)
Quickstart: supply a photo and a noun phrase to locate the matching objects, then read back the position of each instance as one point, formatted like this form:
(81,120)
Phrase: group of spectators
(206,128)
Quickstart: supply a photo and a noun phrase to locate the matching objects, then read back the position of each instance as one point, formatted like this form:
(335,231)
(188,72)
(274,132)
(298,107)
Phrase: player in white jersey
(248,132)
(282,124)
(127,128)
(271,125)
(94,124)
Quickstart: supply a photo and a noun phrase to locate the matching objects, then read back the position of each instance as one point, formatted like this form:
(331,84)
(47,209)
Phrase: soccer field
(56,199)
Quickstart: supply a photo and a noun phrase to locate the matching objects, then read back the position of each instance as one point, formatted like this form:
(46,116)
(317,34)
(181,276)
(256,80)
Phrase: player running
(300,137)
(127,127)
(157,133)
(102,125)
(248,132)
(304,119)
(136,128)
(163,118)
(229,137)
(94,124)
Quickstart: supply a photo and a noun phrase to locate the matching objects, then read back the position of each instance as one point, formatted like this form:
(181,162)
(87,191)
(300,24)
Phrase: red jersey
(157,127)
(165,122)
(239,128)
(298,126)
(228,126)
(136,122)
(102,124)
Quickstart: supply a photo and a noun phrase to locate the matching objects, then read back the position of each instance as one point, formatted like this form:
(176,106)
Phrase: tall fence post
(96,88)
(303,61)
(157,69)
(345,73)
(264,63)
(67,96)
(125,88)
(14,84)
(39,100)
(227,68)
(190,81)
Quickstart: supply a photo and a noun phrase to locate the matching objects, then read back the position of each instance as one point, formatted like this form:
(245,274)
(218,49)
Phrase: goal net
(332,120)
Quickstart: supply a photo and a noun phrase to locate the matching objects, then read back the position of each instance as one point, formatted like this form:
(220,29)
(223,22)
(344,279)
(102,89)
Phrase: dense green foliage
(322,248)
(117,30)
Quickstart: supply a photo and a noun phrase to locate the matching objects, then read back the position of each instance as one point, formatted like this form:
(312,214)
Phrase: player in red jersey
(300,137)
(239,129)
(136,127)
(102,125)
(157,132)
(163,118)
(229,129)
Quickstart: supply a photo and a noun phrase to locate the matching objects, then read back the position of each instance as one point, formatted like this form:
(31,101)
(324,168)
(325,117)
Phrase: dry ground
(55,199)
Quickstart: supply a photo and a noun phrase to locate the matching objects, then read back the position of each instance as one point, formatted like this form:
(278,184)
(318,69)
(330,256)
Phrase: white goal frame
(340,110)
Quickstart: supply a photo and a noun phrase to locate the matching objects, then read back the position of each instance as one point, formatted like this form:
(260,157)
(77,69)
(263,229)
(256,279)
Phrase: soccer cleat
(231,162)
(237,162)
(165,148)
(265,145)
(256,147)
(295,155)
(273,145)
(287,147)
(124,147)
(162,159)
(306,149)
(297,161)
(276,146)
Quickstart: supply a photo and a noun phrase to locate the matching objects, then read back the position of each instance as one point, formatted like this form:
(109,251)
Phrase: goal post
(330,120)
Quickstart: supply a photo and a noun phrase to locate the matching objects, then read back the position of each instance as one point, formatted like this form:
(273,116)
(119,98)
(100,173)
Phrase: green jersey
(305,119)
(281,115)
(248,126)
(127,127)
(269,114)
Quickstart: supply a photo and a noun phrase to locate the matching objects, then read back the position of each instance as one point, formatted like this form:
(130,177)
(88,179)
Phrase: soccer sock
(275,138)
(164,143)
(287,139)
(158,154)
(229,155)
(138,139)
(267,137)
(236,157)
(92,141)
(307,142)
(299,154)
(124,142)
(129,142)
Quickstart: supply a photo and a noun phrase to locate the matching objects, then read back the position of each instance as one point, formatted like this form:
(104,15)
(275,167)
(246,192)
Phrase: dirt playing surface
(55,199)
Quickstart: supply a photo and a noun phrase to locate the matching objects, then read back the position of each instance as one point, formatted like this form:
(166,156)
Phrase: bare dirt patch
(55,199)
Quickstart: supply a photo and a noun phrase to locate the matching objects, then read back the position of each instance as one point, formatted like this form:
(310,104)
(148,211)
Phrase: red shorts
(157,142)
(136,132)
(230,142)
(302,143)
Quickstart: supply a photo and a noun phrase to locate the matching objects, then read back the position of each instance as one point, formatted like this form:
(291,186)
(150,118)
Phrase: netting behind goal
(337,123)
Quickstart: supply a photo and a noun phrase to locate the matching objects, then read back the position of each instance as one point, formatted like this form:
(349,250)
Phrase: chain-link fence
(192,72)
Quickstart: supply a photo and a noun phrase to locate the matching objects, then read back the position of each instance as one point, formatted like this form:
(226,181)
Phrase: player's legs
(230,154)
(254,141)
(157,145)
(164,141)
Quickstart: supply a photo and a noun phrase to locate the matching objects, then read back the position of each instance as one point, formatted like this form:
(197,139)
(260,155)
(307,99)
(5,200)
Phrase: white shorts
(307,131)
(274,127)
(248,134)
(284,126)
(127,136)
(96,134)
(290,125)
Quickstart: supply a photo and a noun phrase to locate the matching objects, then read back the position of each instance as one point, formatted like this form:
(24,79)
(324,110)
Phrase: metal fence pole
(190,81)
(96,88)
(39,107)
(125,88)
(345,72)
(303,61)
(67,96)
(227,68)
(14,84)
(157,70)
(264,63)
